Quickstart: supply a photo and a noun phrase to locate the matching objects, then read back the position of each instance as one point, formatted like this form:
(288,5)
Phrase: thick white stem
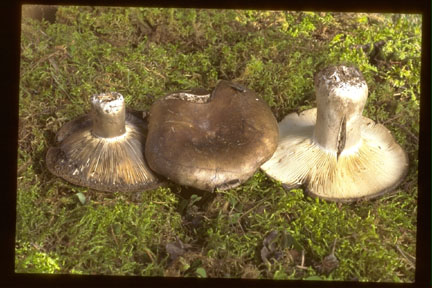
(341,94)
(108,114)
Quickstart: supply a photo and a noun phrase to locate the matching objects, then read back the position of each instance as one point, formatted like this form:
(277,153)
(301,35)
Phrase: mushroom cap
(375,166)
(217,142)
(105,164)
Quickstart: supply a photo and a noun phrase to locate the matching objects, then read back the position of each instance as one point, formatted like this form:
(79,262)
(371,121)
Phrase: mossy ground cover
(177,231)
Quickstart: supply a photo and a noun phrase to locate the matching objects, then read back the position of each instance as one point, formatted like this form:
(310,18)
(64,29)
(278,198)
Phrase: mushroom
(210,140)
(103,150)
(335,152)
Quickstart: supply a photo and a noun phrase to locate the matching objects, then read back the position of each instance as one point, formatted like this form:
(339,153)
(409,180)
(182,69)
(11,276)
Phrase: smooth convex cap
(103,150)
(210,140)
(332,150)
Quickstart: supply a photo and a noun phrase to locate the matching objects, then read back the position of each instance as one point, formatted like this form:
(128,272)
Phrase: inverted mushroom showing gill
(332,150)
(210,141)
(103,150)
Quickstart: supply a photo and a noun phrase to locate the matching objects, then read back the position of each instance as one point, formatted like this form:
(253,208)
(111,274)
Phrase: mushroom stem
(341,94)
(108,114)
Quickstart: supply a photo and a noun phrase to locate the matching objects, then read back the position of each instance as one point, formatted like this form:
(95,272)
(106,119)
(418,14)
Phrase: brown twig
(251,209)
(149,254)
(391,119)
(114,237)
(406,130)
(334,246)
(241,227)
(407,257)
(301,266)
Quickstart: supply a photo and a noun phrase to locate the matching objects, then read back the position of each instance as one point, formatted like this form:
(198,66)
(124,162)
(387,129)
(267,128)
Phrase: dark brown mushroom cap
(216,143)
(105,164)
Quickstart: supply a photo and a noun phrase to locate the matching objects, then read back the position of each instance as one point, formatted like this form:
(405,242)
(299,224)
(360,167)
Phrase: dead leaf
(176,249)
(330,262)
(269,249)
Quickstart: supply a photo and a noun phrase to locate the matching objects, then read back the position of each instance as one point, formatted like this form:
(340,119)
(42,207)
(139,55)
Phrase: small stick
(301,266)
(241,227)
(114,237)
(406,256)
(391,119)
(334,246)
(251,209)
(149,254)
(407,131)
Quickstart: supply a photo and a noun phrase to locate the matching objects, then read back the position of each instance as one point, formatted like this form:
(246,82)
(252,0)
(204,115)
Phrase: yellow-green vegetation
(258,230)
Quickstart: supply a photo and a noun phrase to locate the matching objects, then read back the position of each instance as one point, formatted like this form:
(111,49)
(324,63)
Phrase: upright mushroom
(210,141)
(335,152)
(103,150)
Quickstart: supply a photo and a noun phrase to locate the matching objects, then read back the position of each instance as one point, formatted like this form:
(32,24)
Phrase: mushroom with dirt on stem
(103,150)
(210,140)
(332,150)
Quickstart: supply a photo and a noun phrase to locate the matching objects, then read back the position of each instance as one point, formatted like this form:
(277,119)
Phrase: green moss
(31,260)
(146,53)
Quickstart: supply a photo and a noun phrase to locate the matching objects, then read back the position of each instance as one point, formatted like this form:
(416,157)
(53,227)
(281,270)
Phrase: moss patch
(146,53)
